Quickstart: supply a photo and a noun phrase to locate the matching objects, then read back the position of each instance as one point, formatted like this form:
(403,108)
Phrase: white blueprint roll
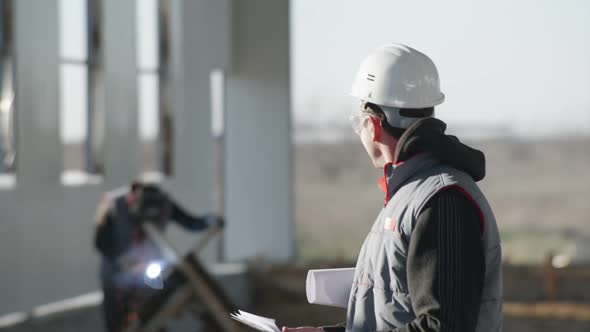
(329,286)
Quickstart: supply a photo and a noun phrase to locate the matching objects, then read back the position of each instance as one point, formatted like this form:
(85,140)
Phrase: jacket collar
(395,175)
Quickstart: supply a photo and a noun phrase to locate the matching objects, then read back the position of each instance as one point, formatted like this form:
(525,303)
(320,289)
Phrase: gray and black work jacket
(432,258)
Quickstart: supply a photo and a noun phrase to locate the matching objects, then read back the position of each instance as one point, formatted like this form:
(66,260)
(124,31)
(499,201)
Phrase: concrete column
(120,78)
(37,92)
(258,167)
(200,42)
(39,153)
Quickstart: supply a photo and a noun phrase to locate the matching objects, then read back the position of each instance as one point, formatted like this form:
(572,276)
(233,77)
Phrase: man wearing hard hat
(432,259)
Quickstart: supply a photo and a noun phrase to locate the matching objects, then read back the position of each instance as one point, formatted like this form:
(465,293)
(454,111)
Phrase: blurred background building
(98,93)
(240,107)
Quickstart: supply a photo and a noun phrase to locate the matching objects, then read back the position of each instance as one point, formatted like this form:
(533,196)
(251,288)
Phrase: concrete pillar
(258,159)
(200,42)
(38,152)
(120,78)
(37,91)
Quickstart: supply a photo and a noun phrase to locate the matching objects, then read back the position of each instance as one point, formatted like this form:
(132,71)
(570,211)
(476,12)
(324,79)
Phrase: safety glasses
(357,121)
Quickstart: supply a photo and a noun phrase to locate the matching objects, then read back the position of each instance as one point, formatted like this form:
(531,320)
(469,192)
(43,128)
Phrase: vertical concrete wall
(258,161)
(36,203)
(200,42)
(46,227)
(120,77)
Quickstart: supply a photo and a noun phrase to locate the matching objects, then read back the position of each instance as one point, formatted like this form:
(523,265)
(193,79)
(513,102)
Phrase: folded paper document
(329,286)
(258,323)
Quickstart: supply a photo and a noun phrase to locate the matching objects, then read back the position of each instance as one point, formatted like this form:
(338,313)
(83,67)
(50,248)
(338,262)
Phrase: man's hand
(302,329)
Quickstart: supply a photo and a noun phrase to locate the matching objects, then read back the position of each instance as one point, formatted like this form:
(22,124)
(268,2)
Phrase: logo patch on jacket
(389,224)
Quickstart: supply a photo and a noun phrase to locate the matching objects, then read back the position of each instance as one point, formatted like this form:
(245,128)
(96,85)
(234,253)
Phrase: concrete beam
(258,158)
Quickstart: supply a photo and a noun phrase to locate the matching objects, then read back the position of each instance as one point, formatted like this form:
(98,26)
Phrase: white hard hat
(396,76)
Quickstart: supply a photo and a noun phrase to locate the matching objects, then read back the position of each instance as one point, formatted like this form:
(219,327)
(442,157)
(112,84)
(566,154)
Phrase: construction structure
(96,93)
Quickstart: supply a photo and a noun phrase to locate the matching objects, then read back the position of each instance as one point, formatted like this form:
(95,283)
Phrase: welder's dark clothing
(126,251)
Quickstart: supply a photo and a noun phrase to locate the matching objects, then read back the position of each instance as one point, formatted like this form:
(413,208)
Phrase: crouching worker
(127,250)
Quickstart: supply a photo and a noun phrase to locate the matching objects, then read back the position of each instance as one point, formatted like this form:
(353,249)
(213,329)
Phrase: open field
(540,192)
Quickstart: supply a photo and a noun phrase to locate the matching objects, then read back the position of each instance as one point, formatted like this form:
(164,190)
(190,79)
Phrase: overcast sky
(518,66)
(522,65)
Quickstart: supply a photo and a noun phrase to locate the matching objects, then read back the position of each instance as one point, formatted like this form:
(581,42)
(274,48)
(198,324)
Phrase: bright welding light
(153,270)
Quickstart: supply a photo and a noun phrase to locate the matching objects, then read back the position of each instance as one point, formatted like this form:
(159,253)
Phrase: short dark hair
(377,111)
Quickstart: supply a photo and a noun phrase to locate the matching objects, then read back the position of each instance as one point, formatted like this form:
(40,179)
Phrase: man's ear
(376,128)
